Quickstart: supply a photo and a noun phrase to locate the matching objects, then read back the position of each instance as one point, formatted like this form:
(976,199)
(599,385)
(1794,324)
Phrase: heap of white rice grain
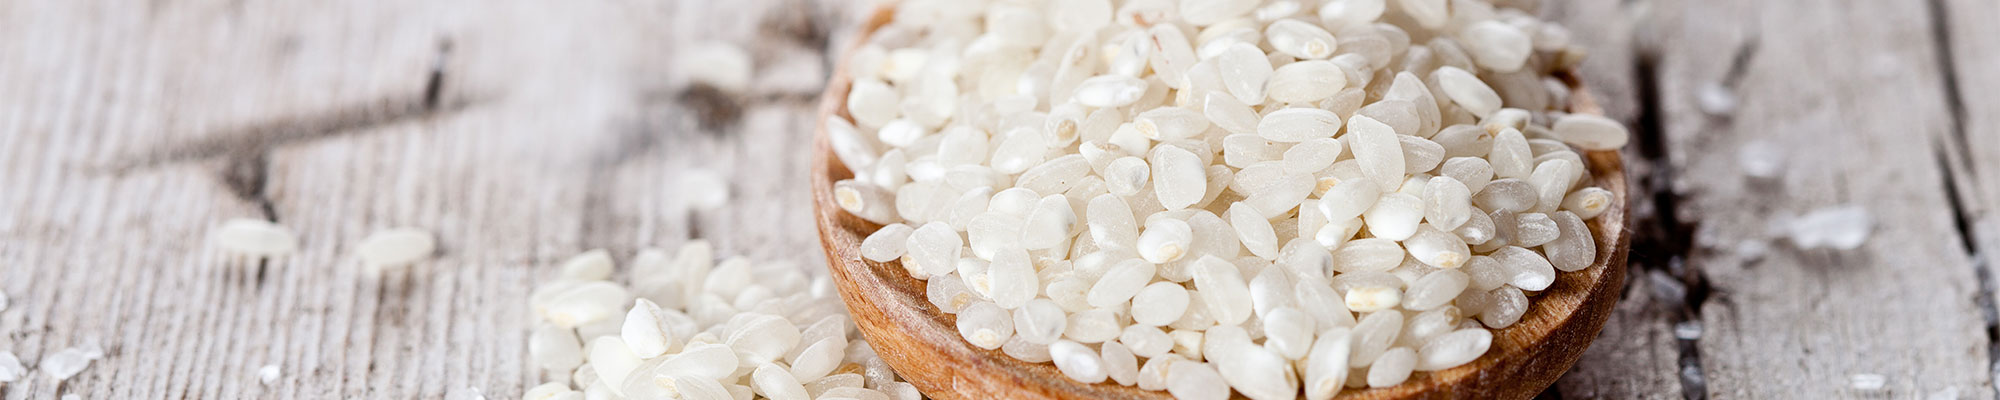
(689,328)
(1275,197)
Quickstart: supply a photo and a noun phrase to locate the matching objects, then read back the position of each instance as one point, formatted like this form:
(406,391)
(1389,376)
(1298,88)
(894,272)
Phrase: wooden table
(522,132)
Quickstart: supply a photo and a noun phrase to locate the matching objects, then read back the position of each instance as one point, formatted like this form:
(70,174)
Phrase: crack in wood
(799,21)
(1981,271)
(694,227)
(716,111)
(434,86)
(1663,241)
(282,131)
(246,174)
(1961,217)
(1948,70)
(1957,153)
(263,272)
(1739,63)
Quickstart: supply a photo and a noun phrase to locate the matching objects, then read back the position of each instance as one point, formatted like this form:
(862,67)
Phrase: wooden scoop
(923,345)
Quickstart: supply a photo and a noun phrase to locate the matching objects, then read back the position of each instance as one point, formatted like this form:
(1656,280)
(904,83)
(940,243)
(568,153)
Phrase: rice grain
(10,367)
(255,237)
(1251,175)
(396,247)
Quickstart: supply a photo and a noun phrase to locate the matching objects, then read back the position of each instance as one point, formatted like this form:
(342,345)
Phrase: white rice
(255,237)
(720,65)
(10,367)
(269,374)
(704,189)
(395,247)
(696,329)
(1867,382)
(68,362)
(1141,194)
(1844,227)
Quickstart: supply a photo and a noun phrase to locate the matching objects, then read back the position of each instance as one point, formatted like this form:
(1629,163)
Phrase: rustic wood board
(1851,99)
(1971,45)
(129,130)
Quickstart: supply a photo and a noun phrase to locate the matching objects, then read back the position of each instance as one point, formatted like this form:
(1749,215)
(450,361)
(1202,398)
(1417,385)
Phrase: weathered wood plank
(1974,44)
(1971,48)
(1635,356)
(1848,96)
(129,136)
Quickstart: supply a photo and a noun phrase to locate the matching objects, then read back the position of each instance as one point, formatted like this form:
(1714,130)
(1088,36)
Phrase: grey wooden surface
(524,131)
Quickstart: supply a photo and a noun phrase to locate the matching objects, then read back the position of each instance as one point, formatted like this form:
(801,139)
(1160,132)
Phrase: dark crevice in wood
(796,98)
(1981,271)
(1948,70)
(1961,217)
(264,135)
(1959,152)
(1739,64)
(263,271)
(650,98)
(1693,377)
(693,226)
(801,22)
(246,175)
(434,86)
(1554,392)
(1662,241)
(715,110)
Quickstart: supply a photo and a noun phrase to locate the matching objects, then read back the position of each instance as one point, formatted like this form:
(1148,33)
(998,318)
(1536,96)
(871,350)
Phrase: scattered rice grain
(396,247)
(255,237)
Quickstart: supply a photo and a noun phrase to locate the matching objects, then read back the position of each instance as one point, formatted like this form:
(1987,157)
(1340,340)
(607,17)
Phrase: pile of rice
(689,327)
(1200,196)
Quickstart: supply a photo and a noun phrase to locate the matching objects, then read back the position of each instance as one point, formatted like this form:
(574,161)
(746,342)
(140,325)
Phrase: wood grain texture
(1969,45)
(1849,99)
(563,122)
(924,345)
(129,130)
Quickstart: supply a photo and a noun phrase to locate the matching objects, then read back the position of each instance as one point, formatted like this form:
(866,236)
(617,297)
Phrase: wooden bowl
(923,345)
